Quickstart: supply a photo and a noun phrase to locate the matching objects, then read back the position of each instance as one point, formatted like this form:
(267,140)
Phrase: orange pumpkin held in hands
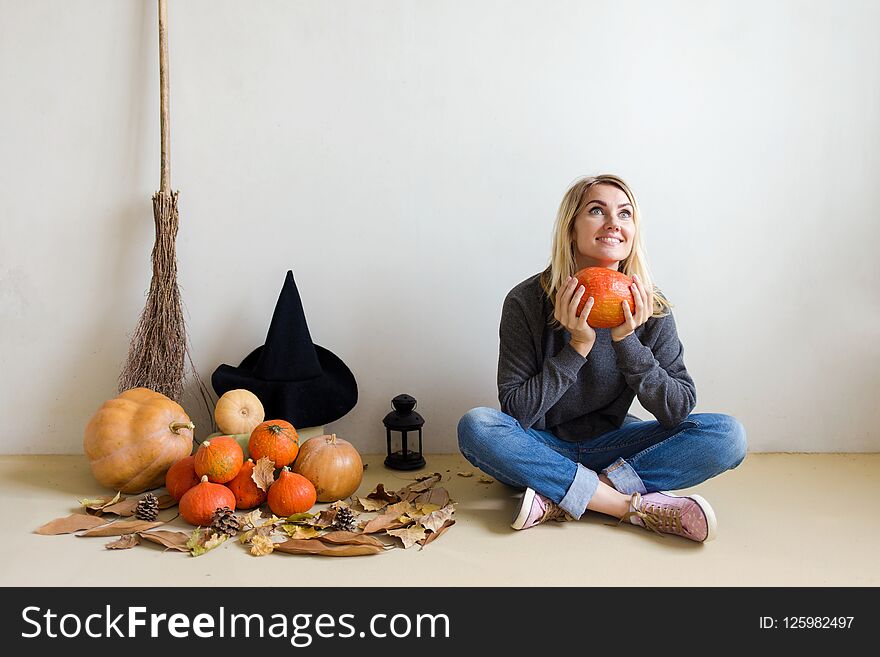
(220,458)
(247,494)
(608,288)
(198,504)
(277,440)
(181,477)
(291,493)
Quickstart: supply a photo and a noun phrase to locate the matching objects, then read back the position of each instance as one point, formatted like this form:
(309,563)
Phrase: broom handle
(165,183)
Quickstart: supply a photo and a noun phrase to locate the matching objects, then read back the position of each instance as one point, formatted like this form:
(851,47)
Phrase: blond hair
(562,257)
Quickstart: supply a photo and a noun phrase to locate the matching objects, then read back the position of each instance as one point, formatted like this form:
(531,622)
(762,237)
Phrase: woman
(564,432)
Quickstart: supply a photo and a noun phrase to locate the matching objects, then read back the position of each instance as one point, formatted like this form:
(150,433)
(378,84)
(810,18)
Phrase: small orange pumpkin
(181,477)
(220,459)
(247,494)
(609,288)
(291,493)
(277,440)
(198,504)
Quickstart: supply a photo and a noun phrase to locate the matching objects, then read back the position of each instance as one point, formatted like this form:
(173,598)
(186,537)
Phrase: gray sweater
(544,383)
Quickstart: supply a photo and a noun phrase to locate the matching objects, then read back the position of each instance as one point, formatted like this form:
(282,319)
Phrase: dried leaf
(264,473)
(409,535)
(251,520)
(378,499)
(304,518)
(201,541)
(350,538)
(430,536)
(261,546)
(122,527)
(486,480)
(436,496)
(421,484)
(301,531)
(95,506)
(171,540)
(73,523)
(166,502)
(97,503)
(124,508)
(325,518)
(436,519)
(369,505)
(386,521)
(316,546)
(465,474)
(124,543)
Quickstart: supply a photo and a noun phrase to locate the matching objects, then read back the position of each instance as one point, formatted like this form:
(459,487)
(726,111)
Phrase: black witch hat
(295,380)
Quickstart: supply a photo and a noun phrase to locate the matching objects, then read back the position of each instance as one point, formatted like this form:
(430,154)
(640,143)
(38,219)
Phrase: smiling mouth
(613,241)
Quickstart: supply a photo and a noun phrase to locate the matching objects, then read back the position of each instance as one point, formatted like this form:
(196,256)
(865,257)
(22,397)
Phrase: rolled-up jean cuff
(624,477)
(580,492)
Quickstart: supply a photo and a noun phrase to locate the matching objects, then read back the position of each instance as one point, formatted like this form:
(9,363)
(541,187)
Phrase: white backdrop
(406,159)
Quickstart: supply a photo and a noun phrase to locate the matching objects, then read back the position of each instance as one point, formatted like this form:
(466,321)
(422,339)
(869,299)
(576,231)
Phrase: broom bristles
(156,355)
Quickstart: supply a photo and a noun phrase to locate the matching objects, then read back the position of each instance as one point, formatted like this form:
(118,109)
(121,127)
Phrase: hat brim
(303,403)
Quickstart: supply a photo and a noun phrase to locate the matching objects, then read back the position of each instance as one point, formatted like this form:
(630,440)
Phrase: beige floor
(784,520)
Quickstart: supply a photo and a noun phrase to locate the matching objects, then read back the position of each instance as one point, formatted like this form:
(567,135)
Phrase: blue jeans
(639,457)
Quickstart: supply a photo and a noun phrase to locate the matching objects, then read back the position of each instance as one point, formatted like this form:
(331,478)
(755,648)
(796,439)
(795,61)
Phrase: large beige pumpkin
(134,438)
(238,411)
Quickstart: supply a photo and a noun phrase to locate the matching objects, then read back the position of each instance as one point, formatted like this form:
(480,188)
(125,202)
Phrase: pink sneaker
(535,509)
(690,517)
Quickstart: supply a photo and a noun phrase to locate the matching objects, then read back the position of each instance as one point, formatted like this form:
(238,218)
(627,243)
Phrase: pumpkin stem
(332,438)
(177,426)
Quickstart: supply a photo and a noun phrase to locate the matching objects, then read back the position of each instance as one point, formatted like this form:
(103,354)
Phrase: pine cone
(147,508)
(225,521)
(345,520)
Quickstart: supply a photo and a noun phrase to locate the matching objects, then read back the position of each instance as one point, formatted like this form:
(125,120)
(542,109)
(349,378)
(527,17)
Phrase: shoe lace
(554,512)
(656,517)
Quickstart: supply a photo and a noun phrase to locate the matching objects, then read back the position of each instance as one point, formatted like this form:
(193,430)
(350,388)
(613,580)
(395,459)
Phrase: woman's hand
(567,298)
(644,309)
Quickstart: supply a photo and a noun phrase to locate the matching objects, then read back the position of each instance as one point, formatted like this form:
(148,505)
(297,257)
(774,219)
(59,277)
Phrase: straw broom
(158,347)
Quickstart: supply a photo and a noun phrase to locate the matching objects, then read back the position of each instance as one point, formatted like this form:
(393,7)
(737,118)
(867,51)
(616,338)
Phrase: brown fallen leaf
(171,540)
(430,536)
(124,508)
(316,546)
(386,521)
(420,485)
(350,538)
(325,518)
(409,535)
(122,527)
(166,502)
(124,543)
(264,473)
(96,505)
(436,519)
(437,496)
(378,499)
(73,523)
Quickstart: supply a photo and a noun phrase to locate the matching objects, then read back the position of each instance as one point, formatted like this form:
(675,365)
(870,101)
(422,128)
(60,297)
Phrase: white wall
(406,159)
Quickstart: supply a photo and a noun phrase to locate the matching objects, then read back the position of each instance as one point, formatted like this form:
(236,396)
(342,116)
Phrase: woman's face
(604,228)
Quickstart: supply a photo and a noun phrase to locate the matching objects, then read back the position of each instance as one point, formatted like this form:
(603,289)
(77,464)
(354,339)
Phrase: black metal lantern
(404,419)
